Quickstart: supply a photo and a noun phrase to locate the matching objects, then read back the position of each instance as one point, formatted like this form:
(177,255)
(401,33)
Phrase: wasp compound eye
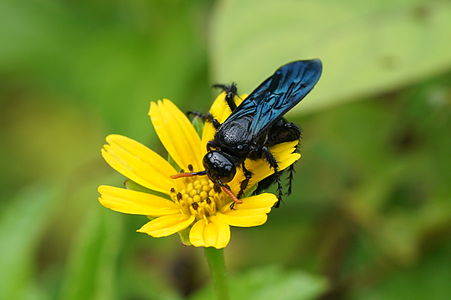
(219,166)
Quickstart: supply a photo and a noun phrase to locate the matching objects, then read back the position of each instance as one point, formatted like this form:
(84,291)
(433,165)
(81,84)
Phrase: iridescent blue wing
(278,94)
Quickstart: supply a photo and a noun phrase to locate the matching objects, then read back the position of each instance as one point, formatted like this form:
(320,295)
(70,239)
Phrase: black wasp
(256,125)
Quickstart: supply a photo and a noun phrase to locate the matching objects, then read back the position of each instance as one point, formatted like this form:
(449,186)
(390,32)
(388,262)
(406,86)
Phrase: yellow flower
(193,202)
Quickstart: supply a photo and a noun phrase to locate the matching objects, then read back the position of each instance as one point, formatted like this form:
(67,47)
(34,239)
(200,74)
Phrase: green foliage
(271,282)
(428,280)
(365,48)
(20,239)
(124,55)
(92,263)
(131,185)
(198,125)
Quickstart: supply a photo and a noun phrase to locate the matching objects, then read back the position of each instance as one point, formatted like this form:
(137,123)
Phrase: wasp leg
(211,145)
(264,184)
(273,163)
(295,132)
(245,182)
(226,189)
(208,117)
(282,132)
(231,91)
(291,171)
(217,188)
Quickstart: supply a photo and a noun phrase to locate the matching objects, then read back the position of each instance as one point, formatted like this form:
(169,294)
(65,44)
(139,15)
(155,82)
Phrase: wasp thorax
(198,198)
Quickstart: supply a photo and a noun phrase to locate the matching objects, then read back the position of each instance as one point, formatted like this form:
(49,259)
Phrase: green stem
(215,259)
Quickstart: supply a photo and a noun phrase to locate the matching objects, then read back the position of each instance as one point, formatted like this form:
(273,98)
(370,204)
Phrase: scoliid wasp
(255,125)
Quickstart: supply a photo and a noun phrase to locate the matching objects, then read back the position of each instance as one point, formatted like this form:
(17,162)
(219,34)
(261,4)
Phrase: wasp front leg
(208,117)
(231,91)
(245,182)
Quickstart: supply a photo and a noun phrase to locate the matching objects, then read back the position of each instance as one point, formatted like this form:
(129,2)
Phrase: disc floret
(197,198)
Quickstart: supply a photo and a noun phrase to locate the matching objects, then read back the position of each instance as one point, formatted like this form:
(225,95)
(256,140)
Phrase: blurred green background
(370,217)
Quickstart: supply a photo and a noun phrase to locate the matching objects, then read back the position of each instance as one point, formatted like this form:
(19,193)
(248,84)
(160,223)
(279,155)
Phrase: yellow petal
(132,202)
(252,212)
(177,134)
(235,184)
(283,149)
(213,233)
(167,225)
(264,201)
(220,111)
(139,163)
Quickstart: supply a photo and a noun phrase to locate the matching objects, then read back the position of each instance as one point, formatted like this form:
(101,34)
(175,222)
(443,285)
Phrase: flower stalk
(216,264)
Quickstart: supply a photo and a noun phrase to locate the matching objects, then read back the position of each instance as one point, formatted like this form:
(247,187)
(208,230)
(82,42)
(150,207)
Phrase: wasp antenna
(231,195)
(180,175)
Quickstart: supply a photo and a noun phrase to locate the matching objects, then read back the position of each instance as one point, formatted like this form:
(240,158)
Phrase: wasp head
(220,166)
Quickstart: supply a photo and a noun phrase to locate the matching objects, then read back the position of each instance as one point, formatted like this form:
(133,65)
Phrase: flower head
(193,203)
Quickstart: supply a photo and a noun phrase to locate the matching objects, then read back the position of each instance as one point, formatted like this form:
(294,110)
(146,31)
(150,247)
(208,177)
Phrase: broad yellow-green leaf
(366,47)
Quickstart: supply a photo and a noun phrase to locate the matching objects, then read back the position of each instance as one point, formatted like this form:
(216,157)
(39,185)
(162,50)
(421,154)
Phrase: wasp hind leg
(208,117)
(273,163)
(264,184)
(231,91)
(281,132)
(291,171)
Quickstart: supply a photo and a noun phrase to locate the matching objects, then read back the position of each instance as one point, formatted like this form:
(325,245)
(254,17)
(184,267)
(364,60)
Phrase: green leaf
(131,185)
(198,125)
(92,263)
(21,226)
(364,48)
(271,282)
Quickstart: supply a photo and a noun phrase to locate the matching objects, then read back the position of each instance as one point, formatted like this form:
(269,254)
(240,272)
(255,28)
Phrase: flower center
(198,197)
